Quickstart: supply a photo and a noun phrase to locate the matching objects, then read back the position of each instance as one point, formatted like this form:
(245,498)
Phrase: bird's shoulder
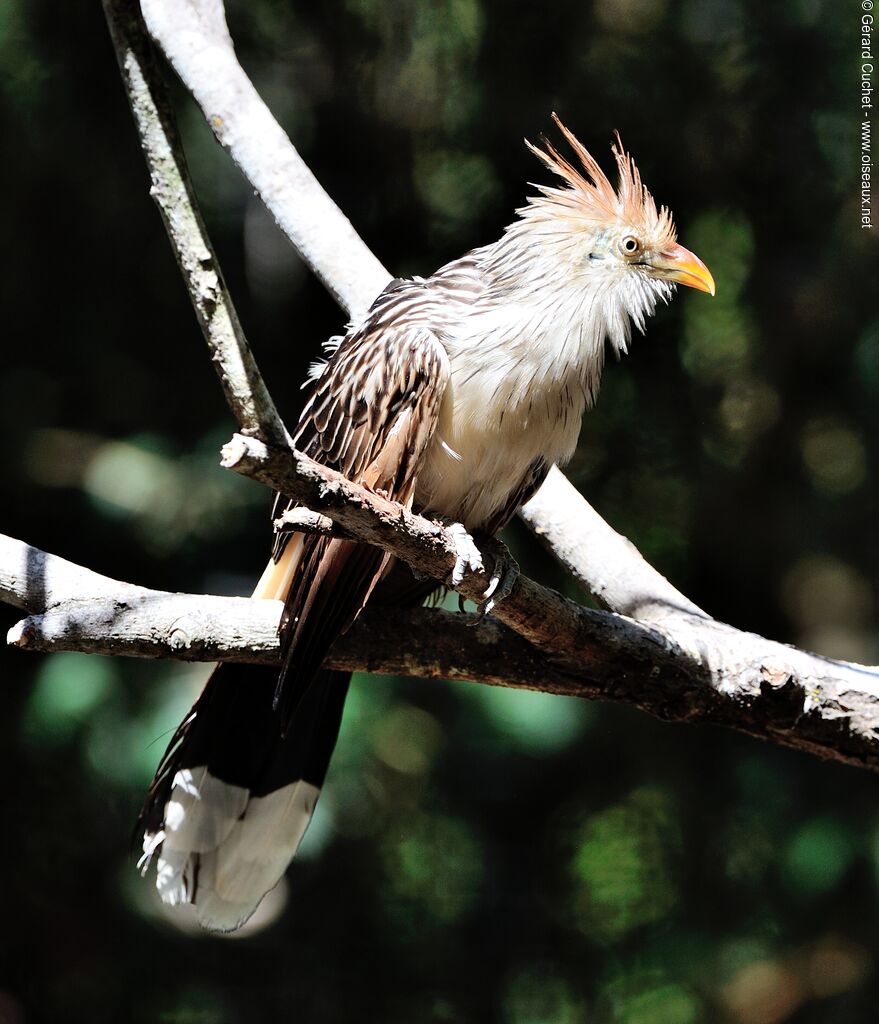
(429,301)
(396,354)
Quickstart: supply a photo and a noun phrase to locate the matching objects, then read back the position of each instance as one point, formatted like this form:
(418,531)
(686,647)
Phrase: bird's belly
(482,451)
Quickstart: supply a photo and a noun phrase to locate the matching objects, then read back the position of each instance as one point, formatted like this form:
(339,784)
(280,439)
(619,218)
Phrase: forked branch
(664,655)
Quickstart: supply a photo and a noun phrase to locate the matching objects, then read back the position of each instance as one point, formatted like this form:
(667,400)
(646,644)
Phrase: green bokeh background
(479,855)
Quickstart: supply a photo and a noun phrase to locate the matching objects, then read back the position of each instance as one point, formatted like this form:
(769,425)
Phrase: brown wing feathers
(370,416)
(240,776)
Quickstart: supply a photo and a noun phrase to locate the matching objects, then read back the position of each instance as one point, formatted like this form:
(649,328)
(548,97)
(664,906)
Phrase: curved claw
(504,573)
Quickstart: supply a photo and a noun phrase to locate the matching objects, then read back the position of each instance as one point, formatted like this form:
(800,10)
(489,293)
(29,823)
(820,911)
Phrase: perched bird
(453,395)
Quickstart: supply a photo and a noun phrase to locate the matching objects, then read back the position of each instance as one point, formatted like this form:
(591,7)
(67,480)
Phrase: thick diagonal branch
(699,671)
(195,38)
(538,614)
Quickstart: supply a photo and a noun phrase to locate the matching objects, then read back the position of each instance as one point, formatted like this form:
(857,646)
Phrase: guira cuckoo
(454,395)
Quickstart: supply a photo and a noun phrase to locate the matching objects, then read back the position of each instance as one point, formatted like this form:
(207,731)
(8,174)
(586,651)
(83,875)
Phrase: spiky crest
(590,196)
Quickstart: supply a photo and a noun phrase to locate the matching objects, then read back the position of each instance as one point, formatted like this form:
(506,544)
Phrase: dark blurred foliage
(479,855)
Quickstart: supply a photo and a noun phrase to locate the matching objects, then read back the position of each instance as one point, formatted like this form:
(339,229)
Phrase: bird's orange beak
(680,265)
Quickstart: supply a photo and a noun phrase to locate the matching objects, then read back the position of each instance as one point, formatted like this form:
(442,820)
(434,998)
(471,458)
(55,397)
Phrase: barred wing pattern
(371,415)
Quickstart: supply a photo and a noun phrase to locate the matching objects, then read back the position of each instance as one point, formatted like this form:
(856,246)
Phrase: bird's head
(610,245)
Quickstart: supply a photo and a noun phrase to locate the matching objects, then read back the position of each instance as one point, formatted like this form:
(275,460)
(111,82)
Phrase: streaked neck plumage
(526,336)
(539,311)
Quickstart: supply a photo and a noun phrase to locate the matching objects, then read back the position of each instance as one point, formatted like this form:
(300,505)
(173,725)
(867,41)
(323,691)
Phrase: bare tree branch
(700,672)
(76,609)
(606,563)
(194,37)
(675,662)
(200,40)
(244,388)
(723,666)
(536,613)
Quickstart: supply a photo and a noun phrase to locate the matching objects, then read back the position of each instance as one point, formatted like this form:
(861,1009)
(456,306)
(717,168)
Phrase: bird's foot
(501,579)
(467,554)
(501,576)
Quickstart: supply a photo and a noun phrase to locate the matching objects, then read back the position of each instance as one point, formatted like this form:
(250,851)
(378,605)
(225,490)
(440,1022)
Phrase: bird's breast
(497,417)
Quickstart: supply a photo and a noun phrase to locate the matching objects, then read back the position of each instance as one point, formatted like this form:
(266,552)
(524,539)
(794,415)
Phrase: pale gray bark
(194,37)
(608,565)
(243,385)
(664,655)
(694,670)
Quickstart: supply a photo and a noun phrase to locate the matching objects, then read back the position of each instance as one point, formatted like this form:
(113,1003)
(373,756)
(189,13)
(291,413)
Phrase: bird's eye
(630,245)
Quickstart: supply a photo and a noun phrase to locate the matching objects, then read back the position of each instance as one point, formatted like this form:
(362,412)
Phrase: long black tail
(234,793)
